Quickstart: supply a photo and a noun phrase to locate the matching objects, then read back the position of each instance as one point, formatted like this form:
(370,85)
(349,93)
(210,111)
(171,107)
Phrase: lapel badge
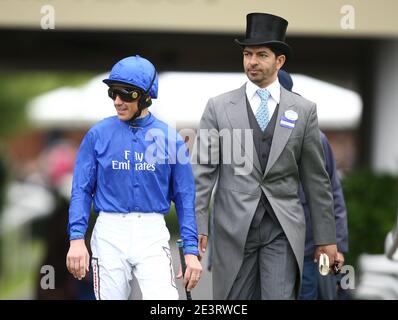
(288,120)
(291,115)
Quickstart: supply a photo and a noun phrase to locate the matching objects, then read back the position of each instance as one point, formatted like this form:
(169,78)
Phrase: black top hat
(266,29)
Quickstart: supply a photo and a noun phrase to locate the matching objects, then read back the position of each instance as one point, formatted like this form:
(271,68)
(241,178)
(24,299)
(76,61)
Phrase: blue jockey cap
(137,72)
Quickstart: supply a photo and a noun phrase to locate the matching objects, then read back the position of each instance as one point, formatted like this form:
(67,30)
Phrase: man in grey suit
(257,142)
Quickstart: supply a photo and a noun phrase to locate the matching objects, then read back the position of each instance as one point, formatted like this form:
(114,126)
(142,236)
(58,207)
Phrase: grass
(21,257)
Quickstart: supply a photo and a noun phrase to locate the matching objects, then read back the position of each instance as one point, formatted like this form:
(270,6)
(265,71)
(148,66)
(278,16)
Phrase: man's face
(125,110)
(261,65)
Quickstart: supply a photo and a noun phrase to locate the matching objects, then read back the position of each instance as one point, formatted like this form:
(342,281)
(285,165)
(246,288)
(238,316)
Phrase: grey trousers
(269,270)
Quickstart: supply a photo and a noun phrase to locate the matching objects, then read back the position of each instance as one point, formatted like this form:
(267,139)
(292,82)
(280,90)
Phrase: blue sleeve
(183,196)
(340,210)
(83,185)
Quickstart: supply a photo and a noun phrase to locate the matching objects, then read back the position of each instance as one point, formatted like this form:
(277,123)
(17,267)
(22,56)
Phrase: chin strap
(144,104)
(136,115)
(141,106)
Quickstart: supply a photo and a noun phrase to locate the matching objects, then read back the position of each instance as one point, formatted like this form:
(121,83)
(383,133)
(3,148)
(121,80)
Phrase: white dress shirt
(254,99)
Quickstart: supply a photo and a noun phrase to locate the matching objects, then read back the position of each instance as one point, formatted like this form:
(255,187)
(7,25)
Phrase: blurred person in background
(57,163)
(314,285)
(131,187)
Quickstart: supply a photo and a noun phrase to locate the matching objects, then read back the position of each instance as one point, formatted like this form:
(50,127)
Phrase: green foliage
(16,89)
(3,180)
(172,222)
(371,201)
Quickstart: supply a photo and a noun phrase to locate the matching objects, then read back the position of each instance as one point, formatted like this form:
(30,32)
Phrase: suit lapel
(236,112)
(281,134)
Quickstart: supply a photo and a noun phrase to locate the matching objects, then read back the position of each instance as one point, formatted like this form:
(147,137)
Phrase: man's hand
(340,261)
(193,271)
(202,244)
(78,259)
(341,258)
(331,251)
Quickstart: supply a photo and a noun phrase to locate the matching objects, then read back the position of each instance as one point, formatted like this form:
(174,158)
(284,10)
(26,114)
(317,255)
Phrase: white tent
(72,107)
(182,99)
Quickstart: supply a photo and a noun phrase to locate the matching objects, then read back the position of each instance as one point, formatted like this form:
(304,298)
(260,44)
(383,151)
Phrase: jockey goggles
(124,94)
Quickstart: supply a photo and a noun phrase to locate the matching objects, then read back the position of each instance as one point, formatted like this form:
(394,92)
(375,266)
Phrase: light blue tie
(262,114)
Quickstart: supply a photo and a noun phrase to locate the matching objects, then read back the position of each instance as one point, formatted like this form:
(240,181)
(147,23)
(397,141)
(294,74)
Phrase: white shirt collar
(274,89)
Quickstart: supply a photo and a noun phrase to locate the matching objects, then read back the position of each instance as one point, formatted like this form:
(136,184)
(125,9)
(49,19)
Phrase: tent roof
(182,99)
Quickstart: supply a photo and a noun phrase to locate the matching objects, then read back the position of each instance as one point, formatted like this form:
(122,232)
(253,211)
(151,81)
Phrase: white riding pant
(137,243)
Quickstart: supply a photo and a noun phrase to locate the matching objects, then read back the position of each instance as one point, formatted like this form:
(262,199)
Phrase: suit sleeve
(340,210)
(316,183)
(205,165)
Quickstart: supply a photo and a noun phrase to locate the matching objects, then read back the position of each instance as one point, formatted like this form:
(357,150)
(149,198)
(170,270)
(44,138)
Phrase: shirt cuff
(191,250)
(76,235)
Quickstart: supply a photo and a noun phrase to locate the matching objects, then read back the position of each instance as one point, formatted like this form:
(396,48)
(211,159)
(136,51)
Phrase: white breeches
(137,243)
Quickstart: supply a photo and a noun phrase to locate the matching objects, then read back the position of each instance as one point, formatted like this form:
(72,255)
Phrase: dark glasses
(125,95)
